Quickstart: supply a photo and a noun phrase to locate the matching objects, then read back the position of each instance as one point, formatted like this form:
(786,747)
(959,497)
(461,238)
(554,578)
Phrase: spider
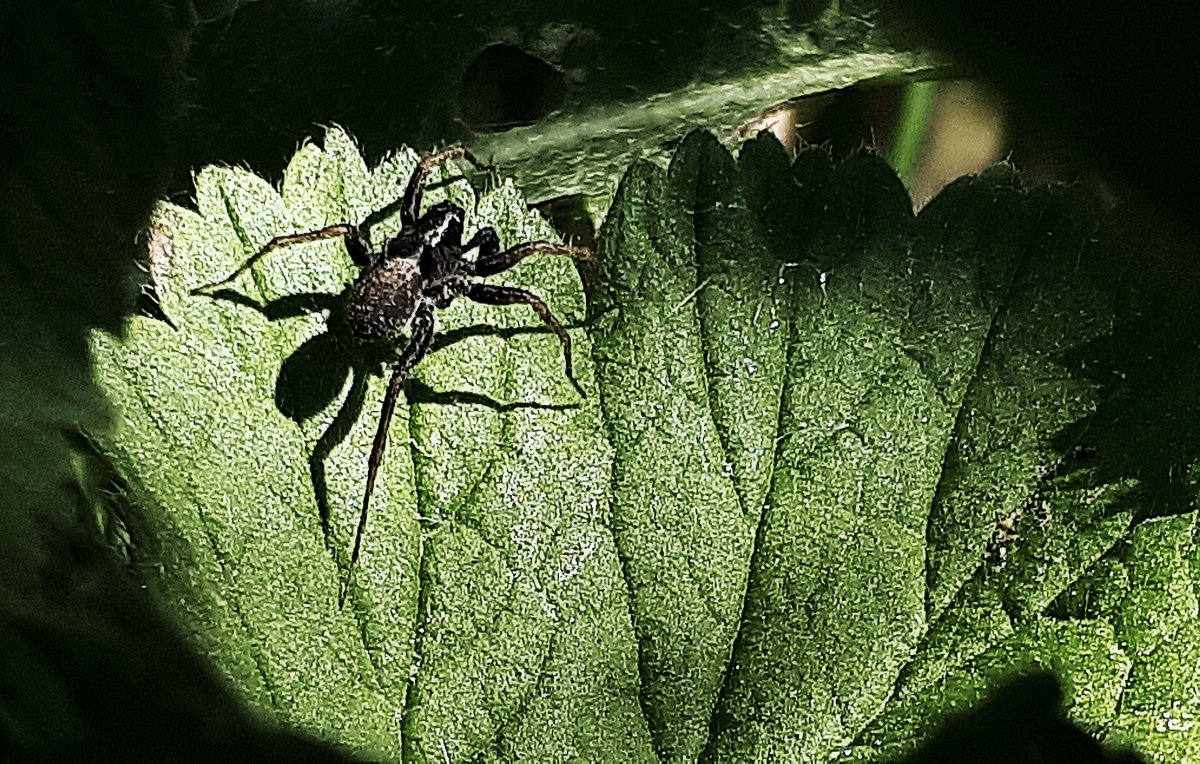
(400,287)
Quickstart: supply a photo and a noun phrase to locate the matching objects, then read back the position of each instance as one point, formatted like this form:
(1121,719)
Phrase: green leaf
(928,370)
(562,95)
(841,471)
(497,626)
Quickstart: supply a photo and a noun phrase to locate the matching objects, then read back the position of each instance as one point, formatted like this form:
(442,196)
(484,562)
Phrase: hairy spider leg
(410,208)
(490,263)
(493,294)
(486,240)
(418,346)
(356,244)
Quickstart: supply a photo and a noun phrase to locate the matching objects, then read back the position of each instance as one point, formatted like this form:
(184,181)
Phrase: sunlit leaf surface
(841,471)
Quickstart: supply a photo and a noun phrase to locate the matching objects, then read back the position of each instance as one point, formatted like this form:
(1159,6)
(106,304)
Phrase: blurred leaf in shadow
(1111,85)
(563,95)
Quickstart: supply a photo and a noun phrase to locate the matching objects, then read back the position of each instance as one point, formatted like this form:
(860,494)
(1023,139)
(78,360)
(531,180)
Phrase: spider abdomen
(383,300)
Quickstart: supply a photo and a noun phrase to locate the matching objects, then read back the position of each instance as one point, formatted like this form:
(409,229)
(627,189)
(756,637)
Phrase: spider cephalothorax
(420,269)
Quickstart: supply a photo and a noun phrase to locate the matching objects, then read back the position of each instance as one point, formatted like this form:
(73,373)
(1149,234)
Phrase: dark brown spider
(420,269)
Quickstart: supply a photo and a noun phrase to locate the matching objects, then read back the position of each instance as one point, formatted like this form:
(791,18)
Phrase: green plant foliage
(599,86)
(768,533)
(502,617)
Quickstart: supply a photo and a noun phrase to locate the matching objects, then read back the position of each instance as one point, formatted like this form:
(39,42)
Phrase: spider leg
(492,294)
(491,263)
(410,208)
(418,346)
(486,240)
(356,245)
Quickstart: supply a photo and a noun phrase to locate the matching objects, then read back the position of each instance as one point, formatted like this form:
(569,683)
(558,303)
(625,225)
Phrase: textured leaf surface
(832,481)
(488,574)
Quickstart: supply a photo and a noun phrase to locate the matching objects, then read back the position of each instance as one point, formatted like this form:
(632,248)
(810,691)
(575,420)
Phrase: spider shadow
(311,378)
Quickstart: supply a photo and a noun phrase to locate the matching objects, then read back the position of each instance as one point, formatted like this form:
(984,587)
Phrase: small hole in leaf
(506,87)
